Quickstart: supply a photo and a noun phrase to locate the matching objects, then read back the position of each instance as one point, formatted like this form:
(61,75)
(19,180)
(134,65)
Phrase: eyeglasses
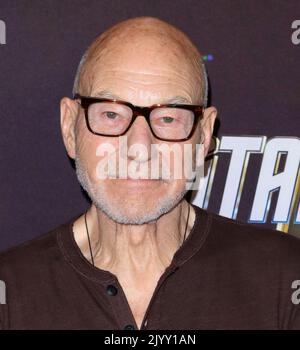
(168,122)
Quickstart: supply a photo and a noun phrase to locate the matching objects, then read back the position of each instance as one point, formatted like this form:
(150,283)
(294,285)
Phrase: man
(142,257)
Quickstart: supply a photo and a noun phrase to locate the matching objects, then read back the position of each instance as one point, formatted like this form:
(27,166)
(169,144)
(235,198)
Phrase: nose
(140,134)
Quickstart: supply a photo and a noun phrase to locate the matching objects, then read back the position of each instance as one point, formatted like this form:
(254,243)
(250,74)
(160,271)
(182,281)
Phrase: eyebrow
(173,100)
(178,100)
(107,94)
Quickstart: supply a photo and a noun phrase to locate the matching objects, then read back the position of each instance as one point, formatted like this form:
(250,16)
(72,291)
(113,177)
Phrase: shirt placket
(121,307)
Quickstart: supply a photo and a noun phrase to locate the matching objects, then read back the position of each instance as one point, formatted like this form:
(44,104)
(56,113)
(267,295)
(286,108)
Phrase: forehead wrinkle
(171,100)
(136,85)
(161,72)
(110,88)
(138,81)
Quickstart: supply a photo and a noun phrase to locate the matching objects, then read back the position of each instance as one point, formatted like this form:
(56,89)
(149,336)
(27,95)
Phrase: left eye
(167,120)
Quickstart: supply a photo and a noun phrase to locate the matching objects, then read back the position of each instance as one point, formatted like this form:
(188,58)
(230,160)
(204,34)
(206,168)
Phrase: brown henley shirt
(226,275)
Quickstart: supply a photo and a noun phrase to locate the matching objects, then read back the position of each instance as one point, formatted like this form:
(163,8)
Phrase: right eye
(110,115)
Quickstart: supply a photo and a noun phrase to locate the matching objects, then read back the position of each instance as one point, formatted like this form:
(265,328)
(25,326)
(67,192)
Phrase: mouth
(138,182)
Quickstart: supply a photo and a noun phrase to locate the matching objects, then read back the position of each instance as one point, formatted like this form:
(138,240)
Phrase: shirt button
(129,327)
(111,290)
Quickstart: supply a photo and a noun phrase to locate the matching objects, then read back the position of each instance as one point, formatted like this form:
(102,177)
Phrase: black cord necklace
(88,235)
(87,231)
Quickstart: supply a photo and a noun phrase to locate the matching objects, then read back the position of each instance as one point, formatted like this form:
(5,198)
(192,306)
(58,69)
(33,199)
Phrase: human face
(143,74)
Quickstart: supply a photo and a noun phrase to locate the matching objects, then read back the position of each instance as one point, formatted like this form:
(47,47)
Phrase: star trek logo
(279,172)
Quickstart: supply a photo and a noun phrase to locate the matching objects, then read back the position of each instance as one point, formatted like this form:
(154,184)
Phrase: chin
(138,210)
(130,216)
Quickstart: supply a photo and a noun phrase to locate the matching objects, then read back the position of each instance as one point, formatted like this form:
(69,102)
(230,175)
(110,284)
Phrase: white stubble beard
(101,201)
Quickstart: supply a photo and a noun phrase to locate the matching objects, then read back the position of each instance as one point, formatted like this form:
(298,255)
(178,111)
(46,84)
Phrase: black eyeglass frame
(86,101)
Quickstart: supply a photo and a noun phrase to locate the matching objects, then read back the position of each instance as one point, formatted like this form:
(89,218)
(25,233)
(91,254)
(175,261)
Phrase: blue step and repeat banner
(252,54)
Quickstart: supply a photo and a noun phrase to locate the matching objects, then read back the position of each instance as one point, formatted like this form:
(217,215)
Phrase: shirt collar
(74,256)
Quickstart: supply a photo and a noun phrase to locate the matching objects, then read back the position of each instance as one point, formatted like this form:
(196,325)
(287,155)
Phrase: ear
(68,115)
(207,125)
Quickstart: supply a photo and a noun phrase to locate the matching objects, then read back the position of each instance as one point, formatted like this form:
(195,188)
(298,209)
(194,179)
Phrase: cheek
(176,186)
(93,149)
(197,136)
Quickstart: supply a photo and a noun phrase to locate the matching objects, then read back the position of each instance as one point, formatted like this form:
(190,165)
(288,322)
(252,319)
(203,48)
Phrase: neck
(133,249)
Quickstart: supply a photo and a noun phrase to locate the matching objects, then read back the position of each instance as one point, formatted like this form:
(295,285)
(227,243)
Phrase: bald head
(140,44)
